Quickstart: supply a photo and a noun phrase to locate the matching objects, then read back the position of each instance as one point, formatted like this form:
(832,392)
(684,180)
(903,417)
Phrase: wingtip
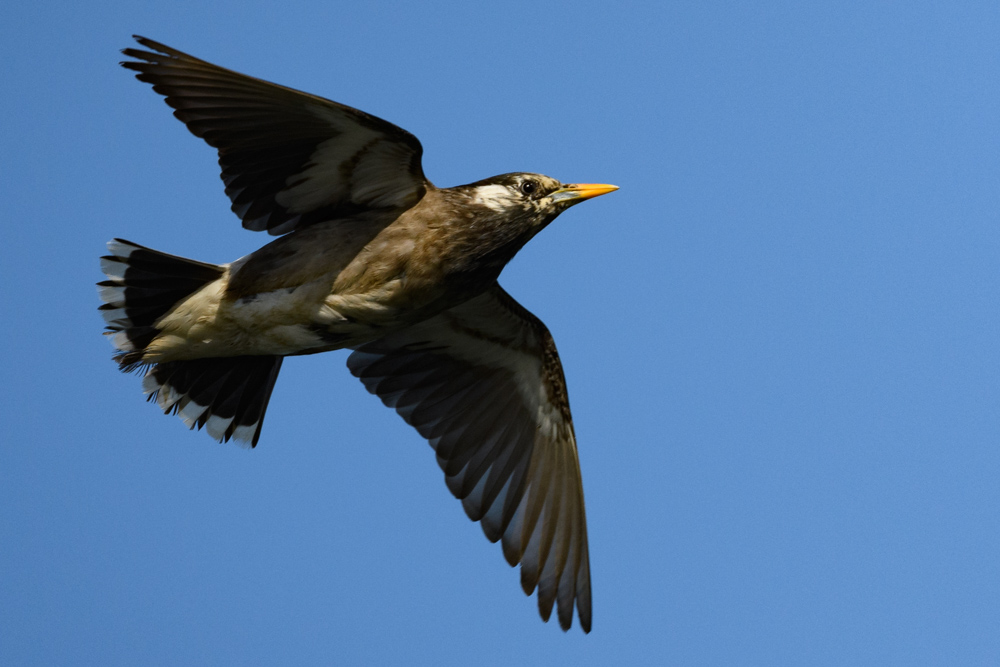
(147,42)
(134,65)
(161,50)
(566,621)
(565,617)
(545,606)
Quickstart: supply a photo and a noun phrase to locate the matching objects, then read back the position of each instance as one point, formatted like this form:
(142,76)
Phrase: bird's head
(498,215)
(521,195)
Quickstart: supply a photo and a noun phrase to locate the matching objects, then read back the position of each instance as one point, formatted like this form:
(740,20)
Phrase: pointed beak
(578,192)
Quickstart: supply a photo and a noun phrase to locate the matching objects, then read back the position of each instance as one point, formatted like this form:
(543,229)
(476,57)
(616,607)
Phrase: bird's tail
(143,285)
(227,395)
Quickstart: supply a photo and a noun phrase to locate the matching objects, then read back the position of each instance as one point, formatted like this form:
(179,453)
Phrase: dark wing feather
(289,159)
(483,383)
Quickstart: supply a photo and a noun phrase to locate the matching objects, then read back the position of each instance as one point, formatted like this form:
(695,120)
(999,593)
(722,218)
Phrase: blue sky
(781,338)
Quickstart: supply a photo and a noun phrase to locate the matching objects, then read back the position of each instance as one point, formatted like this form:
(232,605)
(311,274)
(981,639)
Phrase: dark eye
(529,187)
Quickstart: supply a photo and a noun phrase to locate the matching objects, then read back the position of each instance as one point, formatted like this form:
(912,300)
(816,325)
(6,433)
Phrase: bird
(369,256)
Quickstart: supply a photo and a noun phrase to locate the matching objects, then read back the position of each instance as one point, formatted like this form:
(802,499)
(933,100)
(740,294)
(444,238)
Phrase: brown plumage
(372,257)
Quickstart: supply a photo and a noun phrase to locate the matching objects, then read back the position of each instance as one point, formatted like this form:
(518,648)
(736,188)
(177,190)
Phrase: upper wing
(288,158)
(483,383)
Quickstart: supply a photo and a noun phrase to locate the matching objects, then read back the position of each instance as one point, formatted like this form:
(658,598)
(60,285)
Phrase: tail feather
(143,285)
(226,395)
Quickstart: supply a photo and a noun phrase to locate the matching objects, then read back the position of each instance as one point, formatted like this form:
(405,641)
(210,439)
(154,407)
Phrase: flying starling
(372,257)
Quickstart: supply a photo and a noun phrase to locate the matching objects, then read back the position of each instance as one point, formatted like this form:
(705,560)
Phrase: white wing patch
(525,366)
(322,182)
(382,176)
(379,176)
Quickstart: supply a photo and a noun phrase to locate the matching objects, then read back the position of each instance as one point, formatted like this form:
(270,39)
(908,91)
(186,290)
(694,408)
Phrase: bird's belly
(288,321)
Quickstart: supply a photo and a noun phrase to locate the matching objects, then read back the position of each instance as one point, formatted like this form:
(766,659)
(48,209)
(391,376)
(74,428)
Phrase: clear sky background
(781,338)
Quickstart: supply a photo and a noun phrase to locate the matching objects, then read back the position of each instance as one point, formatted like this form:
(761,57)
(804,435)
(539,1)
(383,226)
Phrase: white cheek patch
(494,197)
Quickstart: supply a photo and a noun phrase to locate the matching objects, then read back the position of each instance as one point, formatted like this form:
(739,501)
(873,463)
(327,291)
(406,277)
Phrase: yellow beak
(578,192)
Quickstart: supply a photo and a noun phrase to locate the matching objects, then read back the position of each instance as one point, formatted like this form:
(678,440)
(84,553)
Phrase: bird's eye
(529,187)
